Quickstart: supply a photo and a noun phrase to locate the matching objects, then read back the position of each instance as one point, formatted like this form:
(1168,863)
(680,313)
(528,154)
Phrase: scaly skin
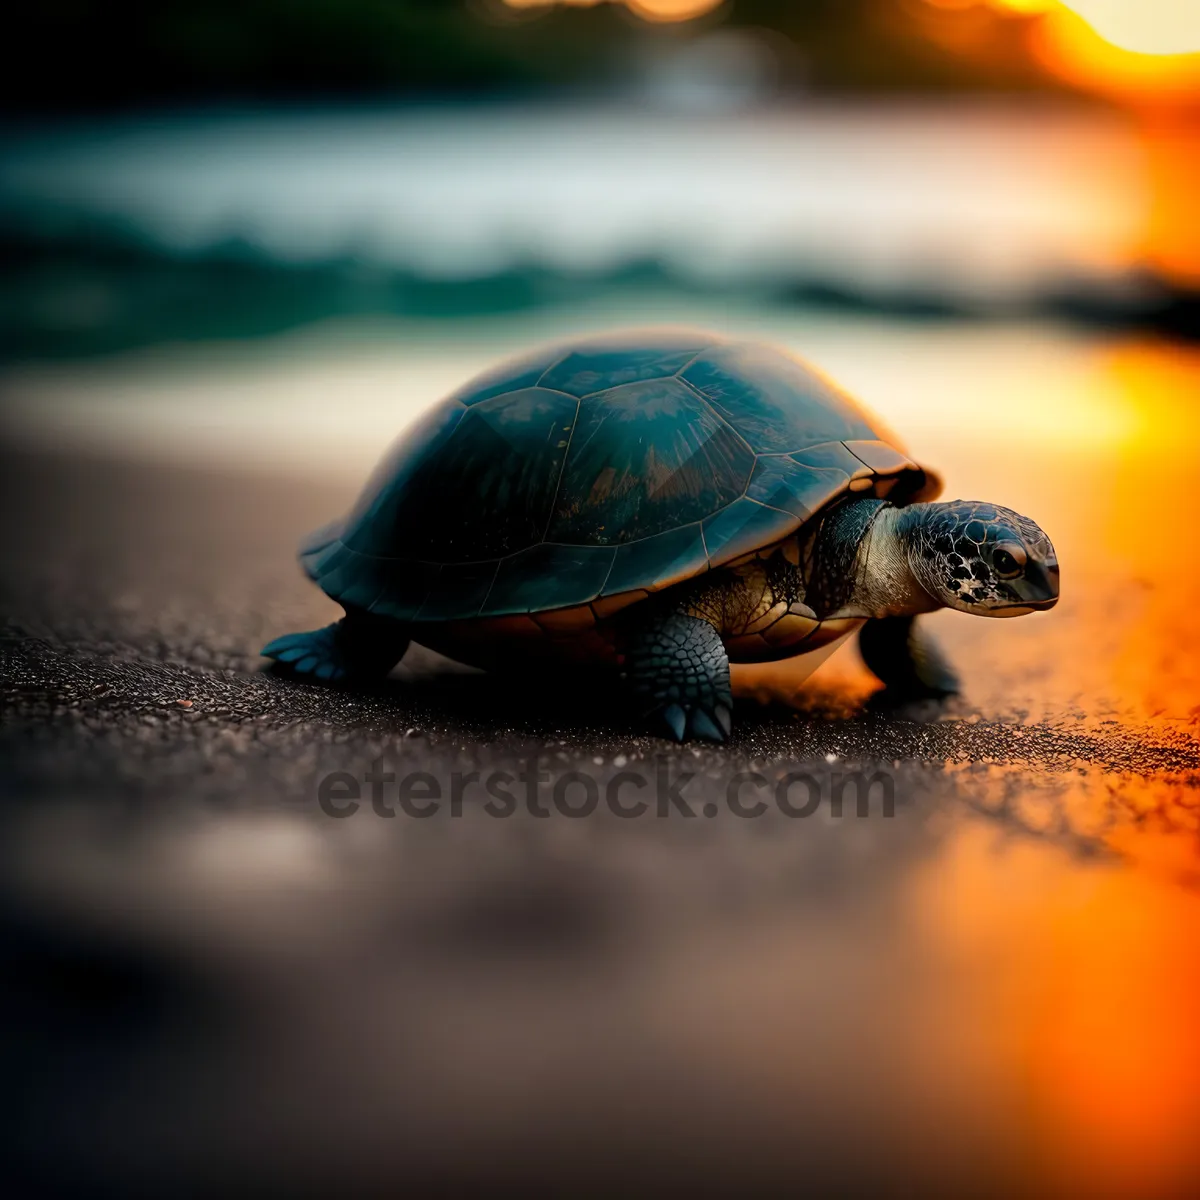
(738,599)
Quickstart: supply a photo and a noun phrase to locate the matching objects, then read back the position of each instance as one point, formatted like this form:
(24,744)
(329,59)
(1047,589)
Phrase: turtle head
(981,558)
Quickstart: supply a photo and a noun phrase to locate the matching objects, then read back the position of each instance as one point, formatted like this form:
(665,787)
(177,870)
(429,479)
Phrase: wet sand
(209,978)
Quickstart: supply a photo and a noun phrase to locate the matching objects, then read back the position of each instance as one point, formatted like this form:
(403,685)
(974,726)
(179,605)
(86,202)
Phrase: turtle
(660,503)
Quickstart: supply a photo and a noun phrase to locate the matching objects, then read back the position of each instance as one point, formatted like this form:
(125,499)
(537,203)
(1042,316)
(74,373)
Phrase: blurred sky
(131,53)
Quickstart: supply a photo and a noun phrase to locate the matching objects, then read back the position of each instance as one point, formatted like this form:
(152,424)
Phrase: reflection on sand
(1101,968)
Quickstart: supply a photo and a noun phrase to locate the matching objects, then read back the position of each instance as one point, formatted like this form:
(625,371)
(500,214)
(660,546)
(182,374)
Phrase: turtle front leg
(903,653)
(677,669)
(361,646)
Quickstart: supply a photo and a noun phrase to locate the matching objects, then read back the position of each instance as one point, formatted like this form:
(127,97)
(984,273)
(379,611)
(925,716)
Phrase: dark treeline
(85,55)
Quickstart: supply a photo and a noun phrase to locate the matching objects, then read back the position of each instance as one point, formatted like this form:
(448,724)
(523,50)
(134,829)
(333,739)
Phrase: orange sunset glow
(650,10)
(1111,45)
(1145,57)
(1144,51)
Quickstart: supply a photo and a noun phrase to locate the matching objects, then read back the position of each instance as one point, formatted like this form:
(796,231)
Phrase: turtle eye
(1008,561)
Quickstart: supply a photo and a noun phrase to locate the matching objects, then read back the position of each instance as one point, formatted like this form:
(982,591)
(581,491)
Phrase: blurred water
(982,206)
(331,397)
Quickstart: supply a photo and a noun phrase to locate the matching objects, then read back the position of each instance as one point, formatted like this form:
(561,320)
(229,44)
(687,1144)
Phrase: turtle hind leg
(678,671)
(903,654)
(359,647)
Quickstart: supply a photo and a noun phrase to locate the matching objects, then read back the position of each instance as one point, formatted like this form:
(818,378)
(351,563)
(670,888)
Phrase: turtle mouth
(1021,607)
(1011,610)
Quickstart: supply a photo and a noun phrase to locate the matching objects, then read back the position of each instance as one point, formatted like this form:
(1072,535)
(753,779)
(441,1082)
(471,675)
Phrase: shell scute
(502,461)
(880,457)
(509,376)
(458,591)
(659,561)
(780,482)
(832,456)
(646,458)
(600,367)
(776,402)
(404,586)
(742,528)
(399,485)
(549,576)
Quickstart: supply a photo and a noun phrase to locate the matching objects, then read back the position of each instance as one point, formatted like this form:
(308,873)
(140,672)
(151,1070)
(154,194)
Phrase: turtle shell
(595,472)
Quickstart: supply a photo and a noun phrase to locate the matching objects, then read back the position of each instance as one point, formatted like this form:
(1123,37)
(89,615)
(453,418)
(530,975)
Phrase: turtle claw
(682,723)
(339,651)
(314,653)
(676,721)
(724,718)
(703,726)
(289,648)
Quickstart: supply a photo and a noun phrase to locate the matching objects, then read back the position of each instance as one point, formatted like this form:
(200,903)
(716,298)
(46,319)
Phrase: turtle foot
(315,653)
(677,668)
(902,653)
(358,647)
(683,721)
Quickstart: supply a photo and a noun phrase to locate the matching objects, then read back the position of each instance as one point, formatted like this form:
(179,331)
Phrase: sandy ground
(208,978)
